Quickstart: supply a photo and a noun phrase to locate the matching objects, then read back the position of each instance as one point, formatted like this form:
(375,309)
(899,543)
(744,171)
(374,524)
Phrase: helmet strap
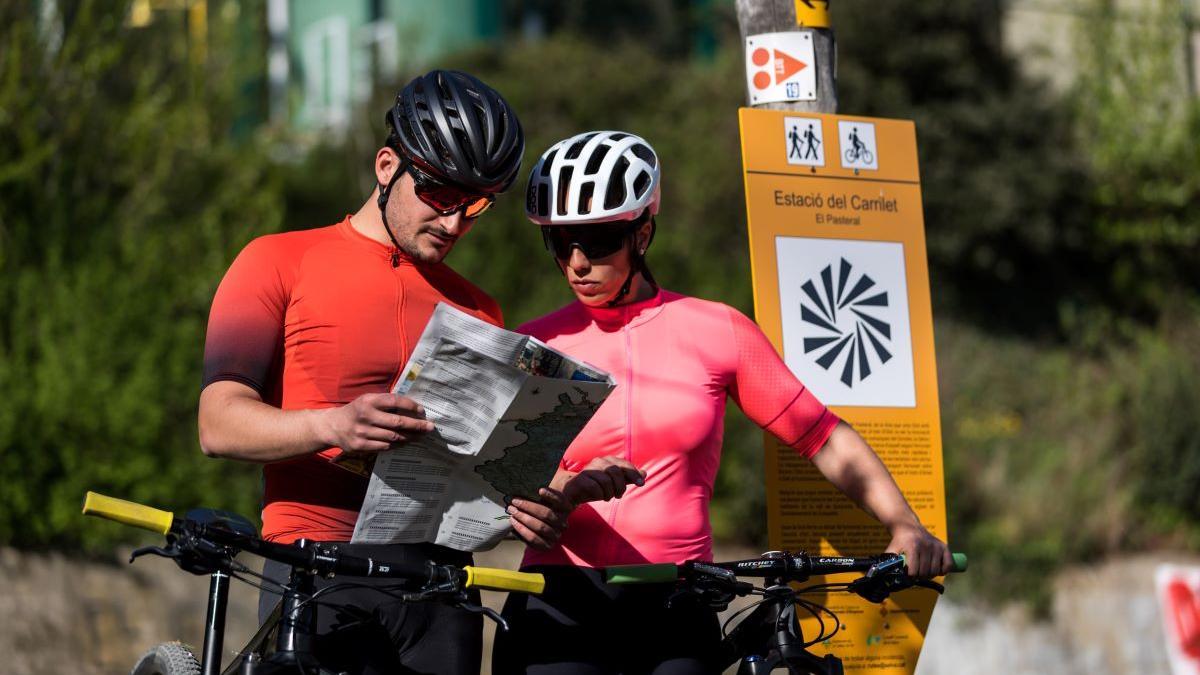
(385,192)
(624,287)
(637,260)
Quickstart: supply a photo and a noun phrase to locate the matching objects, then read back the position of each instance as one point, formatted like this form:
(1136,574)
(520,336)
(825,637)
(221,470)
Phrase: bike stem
(294,642)
(214,625)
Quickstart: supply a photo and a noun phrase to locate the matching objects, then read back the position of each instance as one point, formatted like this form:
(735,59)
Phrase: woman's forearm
(853,467)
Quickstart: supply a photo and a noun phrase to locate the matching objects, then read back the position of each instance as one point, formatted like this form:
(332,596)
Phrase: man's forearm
(236,424)
(853,467)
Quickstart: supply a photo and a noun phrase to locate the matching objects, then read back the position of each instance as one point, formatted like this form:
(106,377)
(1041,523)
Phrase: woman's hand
(925,555)
(601,480)
(540,523)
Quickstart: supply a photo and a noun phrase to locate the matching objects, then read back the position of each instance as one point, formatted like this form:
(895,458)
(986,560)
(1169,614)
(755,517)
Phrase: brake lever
(486,611)
(877,589)
(172,553)
(931,585)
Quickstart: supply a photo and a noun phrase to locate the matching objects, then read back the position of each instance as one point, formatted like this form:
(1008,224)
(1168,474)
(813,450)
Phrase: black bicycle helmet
(453,126)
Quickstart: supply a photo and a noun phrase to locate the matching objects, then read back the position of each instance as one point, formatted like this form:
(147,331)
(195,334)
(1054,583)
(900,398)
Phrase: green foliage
(1057,455)
(1164,434)
(1141,132)
(124,198)
(1005,189)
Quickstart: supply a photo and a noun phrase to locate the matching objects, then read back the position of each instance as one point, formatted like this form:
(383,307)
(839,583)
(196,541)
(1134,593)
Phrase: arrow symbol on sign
(809,3)
(786,66)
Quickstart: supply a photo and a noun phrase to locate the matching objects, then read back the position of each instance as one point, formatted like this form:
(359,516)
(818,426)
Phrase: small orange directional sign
(779,67)
(786,66)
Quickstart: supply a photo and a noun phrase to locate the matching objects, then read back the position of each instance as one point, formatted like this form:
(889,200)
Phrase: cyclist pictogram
(858,145)
(847,315)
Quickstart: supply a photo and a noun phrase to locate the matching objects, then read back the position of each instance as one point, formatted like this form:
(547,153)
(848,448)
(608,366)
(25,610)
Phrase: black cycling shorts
(369,633)
(583,626)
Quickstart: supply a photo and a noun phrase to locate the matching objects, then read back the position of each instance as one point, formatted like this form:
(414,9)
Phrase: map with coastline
(531,464)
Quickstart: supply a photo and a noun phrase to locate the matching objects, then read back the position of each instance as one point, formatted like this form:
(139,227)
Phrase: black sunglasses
(595,241)
(444,198)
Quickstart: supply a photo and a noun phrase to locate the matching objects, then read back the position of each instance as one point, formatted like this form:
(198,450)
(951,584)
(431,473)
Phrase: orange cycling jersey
(314,319)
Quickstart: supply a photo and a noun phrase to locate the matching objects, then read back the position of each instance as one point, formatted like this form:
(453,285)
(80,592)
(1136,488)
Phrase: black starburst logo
(856,329)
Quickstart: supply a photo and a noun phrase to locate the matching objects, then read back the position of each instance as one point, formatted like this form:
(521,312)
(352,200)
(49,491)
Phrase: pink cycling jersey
(675,359)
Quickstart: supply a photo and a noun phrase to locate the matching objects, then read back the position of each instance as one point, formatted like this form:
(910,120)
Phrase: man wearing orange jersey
(310,329)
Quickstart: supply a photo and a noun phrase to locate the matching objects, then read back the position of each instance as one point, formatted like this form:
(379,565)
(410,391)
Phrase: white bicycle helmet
(594,177)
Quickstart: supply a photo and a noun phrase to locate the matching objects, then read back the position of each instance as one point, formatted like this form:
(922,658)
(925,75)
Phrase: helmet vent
(585,197)
(564,183)
(617,136)
(543,200)
(548,162)
(575,149)
(640,185)
(615,196)
(596,159)
(645,154)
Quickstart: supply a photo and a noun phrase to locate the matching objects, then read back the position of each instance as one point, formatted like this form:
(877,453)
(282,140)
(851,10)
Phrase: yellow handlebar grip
(129,513)
(504,580)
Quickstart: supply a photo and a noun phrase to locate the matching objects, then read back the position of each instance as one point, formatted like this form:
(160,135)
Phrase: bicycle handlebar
(799,567)
(127,513)
(323,559)
(492,579)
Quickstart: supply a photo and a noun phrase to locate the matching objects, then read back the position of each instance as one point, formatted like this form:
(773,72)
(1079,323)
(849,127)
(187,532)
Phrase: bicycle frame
(775,624)
(290,623)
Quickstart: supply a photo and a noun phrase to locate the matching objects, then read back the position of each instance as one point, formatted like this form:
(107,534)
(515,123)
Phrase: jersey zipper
(403,342)
(626,334)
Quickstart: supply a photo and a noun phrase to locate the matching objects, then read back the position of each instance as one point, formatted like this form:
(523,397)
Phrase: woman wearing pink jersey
(656,441)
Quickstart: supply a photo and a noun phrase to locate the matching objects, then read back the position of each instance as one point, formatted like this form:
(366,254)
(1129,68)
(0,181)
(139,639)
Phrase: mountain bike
(769,637)
(206,541)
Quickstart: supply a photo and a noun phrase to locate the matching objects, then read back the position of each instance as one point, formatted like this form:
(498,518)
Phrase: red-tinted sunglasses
(444,198)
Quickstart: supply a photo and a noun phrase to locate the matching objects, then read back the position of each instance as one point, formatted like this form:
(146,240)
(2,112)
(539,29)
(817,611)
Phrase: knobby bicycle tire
(168,658)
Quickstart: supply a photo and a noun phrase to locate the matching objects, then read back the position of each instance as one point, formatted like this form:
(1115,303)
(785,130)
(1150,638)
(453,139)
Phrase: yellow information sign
(841,287)
(812,13)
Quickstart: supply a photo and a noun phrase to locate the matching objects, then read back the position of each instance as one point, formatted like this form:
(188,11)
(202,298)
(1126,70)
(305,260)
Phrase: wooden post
(779,16)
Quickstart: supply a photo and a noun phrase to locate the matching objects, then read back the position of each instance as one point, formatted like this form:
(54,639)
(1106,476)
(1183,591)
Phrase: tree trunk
(779,16)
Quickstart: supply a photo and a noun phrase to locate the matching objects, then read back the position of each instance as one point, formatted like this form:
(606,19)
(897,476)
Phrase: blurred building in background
(1044,34)
(325,57)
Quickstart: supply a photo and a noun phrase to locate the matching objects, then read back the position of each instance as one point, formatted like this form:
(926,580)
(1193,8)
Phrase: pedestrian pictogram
(779,67)
(859,150)
(805,141)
